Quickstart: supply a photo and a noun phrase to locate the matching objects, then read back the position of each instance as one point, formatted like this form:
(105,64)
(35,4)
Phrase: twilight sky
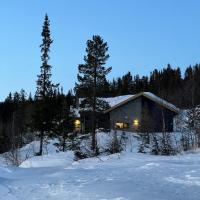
(141,34)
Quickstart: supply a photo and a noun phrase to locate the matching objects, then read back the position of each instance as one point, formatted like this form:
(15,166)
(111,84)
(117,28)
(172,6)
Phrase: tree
(90,77)
(127,86)
(44,84)
(42,117)
(64,121)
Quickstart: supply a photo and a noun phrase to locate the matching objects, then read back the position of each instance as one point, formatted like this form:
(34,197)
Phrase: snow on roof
(112,101)
(115,102)
(161,101)
(148,95)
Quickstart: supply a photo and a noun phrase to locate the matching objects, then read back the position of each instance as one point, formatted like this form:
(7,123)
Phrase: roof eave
(138,95)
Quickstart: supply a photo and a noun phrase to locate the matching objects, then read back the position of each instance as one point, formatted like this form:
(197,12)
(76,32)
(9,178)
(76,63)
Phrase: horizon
(143,37)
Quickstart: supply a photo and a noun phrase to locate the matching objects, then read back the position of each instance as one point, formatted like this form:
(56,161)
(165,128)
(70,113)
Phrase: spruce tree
(44,84)
(42,118)
(127,84)
(91,75)
(64,119)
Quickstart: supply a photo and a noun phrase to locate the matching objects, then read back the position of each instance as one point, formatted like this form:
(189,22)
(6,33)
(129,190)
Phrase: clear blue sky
(142,35)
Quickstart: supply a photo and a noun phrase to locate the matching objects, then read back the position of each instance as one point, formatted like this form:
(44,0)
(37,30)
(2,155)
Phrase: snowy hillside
(126,176)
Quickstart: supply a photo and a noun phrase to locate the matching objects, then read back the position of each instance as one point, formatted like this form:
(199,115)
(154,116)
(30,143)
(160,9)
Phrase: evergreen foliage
(168,83)
(91,77)
(64,120)
(46,90)
(50,112)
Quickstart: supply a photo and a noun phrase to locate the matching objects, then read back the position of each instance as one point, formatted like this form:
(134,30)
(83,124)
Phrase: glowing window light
(77,123)
(119,125)
(136,122)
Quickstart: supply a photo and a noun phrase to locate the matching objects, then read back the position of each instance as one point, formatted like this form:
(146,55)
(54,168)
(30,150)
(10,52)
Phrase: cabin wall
(158,116)
(151,116)
(127,113)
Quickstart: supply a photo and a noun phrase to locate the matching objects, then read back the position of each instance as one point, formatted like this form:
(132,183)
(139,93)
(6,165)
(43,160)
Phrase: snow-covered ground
(125,176)
(117,177)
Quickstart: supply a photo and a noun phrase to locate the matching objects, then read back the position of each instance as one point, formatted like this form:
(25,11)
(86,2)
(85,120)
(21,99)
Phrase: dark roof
(150,96)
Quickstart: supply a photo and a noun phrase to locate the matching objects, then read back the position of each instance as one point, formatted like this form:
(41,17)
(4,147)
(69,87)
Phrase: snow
(125,176)
(161,101)
(51,160)
(112,101)
(129,140)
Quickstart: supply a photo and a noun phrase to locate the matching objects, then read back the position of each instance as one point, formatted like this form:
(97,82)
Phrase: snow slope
(126,176)
(50,160)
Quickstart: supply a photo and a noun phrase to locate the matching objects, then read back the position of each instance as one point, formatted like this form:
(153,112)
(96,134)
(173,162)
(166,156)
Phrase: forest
(50,111)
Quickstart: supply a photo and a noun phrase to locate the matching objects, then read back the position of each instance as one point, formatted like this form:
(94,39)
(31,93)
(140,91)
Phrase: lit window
(125,125)
(77,124)
(118,125)
(121,125)
(136,122)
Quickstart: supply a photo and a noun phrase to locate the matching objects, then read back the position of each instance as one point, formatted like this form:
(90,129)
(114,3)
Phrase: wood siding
(126,114)
(134,109)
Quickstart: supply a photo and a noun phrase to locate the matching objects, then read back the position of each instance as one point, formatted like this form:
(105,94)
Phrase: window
(77,124)
(121,125)
(136,123)
(126,125)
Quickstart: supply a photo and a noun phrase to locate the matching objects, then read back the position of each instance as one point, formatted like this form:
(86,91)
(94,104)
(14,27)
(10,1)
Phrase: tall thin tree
(91,75)
(45,88)
(44,84)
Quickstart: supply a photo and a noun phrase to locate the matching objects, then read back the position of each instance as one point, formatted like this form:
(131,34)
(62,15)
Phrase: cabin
(143,112)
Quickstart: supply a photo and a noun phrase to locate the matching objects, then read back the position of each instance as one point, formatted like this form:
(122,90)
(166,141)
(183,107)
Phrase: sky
(141,34)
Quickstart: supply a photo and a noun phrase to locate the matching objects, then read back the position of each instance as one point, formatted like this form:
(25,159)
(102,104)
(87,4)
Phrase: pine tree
(104,89)
(64,119)
(9,98)
(90,76)
(127,84)
(22,95)
(44,84)
(42,118)
(30,98)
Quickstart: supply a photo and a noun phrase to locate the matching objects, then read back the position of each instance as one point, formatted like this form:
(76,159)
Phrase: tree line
(181,89)
(50,112)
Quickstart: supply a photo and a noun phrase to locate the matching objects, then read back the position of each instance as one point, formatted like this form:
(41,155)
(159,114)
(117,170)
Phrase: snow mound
(129,141)
(30,149)
(50,160)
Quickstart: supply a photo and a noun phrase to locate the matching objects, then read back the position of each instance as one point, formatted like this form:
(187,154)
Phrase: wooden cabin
(143,112)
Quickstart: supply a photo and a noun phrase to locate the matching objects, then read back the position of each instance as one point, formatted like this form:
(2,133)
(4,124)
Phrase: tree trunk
(64,141)
(94,114)
(94,131)
(41,143)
